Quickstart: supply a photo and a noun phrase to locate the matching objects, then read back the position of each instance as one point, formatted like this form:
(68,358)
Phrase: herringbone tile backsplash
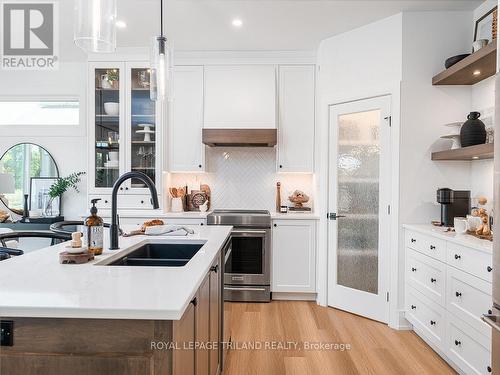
(245,178)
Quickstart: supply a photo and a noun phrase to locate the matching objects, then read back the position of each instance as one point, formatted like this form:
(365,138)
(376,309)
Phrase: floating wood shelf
(462,73)
(466,153)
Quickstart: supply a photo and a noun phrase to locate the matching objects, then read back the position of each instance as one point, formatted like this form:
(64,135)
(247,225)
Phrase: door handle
(334,216)
(491,320)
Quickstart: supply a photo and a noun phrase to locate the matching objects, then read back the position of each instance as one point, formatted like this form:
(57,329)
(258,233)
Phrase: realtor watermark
(30,35)
(252,345)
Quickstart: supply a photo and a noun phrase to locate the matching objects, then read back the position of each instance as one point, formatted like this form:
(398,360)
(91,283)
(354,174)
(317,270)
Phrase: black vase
(473,131)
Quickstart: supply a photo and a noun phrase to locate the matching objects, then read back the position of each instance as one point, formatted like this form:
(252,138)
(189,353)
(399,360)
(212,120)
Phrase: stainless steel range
(248,259)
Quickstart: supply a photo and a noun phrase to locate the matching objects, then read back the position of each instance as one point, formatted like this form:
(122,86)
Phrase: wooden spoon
(174,192)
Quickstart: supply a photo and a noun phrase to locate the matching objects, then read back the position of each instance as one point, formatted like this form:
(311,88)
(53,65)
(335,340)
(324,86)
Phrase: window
(39,113)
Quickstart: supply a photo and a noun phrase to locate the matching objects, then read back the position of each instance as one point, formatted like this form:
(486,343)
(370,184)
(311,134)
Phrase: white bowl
(112,108)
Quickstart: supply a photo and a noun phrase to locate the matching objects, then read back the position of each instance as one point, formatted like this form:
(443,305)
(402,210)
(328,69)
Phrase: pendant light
(160,64)
(95,25)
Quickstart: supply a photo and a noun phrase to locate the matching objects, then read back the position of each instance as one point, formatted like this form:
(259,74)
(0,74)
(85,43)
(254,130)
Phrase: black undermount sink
(159,255)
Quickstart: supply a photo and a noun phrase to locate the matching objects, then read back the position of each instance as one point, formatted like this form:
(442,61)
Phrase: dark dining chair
(6,252)
(68,227)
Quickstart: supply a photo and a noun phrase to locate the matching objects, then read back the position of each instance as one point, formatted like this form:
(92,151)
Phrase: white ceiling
(267,25)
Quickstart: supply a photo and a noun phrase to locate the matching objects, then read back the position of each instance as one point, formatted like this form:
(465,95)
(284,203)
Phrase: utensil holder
(177,205)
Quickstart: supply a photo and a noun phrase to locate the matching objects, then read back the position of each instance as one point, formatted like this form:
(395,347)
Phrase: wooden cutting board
(68,258)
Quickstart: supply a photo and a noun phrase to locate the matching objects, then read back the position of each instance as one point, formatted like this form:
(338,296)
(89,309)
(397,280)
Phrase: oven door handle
(245,288)
(248,231)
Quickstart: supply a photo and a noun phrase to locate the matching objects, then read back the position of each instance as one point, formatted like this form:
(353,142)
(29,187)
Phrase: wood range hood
(240,137)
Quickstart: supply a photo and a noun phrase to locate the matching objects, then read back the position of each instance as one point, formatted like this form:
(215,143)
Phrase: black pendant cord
(161,18)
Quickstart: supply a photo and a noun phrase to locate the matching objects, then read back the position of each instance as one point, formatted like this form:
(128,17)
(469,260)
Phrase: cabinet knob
(281,166)
(458,256)
(489,269)
(488,368)
(433,323)
(457,343)
(105,201)
(275,225)
(142,202)
(126,188)
(215,268)
(199,165)
(413,240)
(201,223)
(413,307)
(458,294)
(121,188)
(432,247)
(413,269)
(194,301)
(490,312)
(433,280)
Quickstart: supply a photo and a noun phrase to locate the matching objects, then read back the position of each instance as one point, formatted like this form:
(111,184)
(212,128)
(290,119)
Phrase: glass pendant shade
(95,25)
(161,57)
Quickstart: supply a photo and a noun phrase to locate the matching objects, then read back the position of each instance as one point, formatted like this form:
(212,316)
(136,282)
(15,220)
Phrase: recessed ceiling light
(475,157)
(237,22)
(121,24)
(476,72)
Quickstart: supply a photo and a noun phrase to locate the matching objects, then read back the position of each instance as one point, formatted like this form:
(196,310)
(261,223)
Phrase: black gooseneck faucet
(114,227)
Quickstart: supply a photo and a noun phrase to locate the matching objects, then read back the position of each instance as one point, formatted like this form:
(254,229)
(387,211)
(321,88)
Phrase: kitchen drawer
(142,202)
(468,298)
(428,245)
(427,317)
(427,275)
(475,262)
(467,348)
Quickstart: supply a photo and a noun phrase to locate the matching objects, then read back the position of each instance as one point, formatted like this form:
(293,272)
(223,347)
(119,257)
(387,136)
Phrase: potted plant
(58,188)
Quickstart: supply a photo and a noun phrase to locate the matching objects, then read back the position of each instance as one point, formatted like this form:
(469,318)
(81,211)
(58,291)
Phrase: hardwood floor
(375,348)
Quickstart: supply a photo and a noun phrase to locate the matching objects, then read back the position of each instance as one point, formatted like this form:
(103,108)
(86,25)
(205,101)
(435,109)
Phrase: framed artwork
(39,194)
(486,26)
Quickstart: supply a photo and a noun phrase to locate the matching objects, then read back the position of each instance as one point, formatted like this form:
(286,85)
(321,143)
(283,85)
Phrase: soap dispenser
(94,230)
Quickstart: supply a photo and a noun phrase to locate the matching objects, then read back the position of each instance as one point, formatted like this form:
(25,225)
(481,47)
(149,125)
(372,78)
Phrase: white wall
(359,64)
(68,145)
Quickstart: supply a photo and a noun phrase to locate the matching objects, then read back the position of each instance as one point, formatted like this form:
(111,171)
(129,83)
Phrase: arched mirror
(18,165)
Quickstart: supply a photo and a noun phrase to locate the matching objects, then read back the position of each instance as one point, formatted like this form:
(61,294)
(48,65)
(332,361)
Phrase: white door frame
(356,301)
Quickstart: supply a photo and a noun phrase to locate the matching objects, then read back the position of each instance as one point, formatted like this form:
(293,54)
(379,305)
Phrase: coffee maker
(454,203)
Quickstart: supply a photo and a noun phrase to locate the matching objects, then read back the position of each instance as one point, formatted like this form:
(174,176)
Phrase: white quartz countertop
(155,214)
(36,285)
(461,239)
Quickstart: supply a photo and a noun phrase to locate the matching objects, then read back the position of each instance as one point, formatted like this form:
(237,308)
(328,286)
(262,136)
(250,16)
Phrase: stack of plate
(454,134)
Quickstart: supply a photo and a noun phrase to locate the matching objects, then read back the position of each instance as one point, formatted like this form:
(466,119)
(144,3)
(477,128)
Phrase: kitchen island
(96,318)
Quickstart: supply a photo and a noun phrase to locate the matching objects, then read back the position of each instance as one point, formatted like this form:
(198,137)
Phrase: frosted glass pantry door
(359,184)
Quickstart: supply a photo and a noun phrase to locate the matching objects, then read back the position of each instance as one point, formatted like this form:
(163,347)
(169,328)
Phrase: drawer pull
(488,368)
(457,343)
(489,269)
(458,256)
(433,323)
(458,294)
(433,247)
(413,269)
(413,307)
(413,240)
(433,280)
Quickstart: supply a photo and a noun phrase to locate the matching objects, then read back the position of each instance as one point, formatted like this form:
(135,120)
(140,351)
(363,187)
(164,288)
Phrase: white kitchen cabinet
(293,256)
(448,289)
(186,150)
(296,118)
(240,97)
(125,131)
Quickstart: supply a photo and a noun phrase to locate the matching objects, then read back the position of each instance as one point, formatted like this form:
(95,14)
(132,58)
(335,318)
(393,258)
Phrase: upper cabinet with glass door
(142,126)
(107,155)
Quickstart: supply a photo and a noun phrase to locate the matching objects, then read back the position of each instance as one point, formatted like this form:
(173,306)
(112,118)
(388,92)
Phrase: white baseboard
(286,296)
